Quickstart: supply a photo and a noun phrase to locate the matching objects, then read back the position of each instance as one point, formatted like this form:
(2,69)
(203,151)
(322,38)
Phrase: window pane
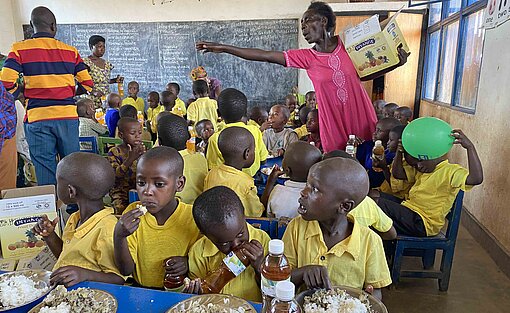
(446,73)
(470,2)
(432,59)
(435,13)
(470,61)
(453,6)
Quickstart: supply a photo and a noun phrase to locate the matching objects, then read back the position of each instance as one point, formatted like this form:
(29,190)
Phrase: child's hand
(275,173)
(369,289)
(44,226)
(316,276)
(280,152)
(400,147)
(128,223)
(359,141)
(255,253)
(265,125)
(462,139)
(176,265)
(207,46)
(135,151)
(68,276)
(194,287)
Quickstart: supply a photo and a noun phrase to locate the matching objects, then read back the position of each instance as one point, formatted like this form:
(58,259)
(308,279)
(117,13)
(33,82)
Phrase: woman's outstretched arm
(276,57)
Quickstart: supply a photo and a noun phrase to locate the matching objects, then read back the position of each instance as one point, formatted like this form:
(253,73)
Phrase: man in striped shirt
(49,67)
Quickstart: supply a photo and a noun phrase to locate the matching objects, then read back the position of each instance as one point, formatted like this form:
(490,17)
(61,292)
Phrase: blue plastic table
(132,299)
(261,179)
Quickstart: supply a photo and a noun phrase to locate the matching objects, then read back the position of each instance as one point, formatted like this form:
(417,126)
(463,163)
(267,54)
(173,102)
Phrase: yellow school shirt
(399,188)
(253,123)
(241,183)
(179,108)
(214,157)
(195,170)
(356,261)
(369,214)
(204,257)
(139,104)
(203,108)
(151,244)
(89,245)
(152,115)
(301,131)
(433,194)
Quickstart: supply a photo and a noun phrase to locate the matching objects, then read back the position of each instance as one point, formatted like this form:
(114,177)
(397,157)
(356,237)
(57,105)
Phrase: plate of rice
(339,299)
(267,171)
(83,300)
(213,303)
(23,287)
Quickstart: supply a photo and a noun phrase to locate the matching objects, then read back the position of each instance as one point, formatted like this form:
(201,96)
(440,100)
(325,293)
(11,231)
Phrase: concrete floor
(476,285)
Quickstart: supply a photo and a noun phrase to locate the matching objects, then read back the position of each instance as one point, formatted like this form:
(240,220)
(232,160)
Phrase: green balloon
(427,138)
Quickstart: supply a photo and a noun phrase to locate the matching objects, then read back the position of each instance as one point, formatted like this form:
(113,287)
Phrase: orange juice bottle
(139,116)
(275,268)
(190,144)
(378,154)
(120,86)
(99,115)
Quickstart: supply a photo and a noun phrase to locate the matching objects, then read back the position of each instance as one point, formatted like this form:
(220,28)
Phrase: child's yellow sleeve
(377,273)
(291,244)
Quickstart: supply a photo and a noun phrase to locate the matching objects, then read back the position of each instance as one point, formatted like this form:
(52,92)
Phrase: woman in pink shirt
(344,106)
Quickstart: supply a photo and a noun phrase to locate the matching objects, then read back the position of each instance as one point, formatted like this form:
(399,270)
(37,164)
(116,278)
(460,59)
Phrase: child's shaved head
(82,106)
(233,142)
(299,158)
(388,123)
(91,174)
(389,109)
(127,111)
(403,114)
(232,105)
(173,131)
(125,122)
(258,114)
(171,156)
(283,109)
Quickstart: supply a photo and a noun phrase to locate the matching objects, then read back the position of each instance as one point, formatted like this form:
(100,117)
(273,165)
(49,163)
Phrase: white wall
(7,27)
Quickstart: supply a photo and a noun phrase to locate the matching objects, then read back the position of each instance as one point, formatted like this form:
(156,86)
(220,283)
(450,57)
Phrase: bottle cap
(352,136)
(285,290)
(378,143)
(276,246)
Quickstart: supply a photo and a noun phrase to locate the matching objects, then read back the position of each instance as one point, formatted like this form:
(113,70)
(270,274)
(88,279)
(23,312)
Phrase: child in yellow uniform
(218,213)
(237,147)
(133,99)
(323,246)
(257,117)
(173,132)
(180,106)
(85,252)
(204,130)
(232,105)
(152,112)
(204,107)
(143,241)
(302,131)
(436,184)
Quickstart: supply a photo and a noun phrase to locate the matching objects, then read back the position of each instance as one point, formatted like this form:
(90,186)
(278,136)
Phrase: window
(454,53)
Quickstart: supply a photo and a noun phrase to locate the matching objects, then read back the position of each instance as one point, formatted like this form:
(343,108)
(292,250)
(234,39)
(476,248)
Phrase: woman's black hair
(323,9)
(94,40)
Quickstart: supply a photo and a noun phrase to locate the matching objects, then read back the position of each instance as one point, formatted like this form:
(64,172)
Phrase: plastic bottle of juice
(139,116)
(275,268)
(284,301)
(378,154)
(190,144)
(173,283)
(352,146)
(120,86)
(99,115)
(231,267)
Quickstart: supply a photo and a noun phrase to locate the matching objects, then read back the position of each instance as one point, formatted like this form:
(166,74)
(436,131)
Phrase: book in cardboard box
(372,49)
(17,217)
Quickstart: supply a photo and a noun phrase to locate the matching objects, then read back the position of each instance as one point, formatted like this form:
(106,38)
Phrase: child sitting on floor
(133,99)
(364,152)
(123,159)
(237,147)
(85,251)
(317,241)
(282,200)
(152,243)
(277,138)
(179,107)
(312,127)
(152,112)
(436,184)
(404,115)
(173,132)
(204,107)
(218,213)
(204,130)
(89,126)
(112,115)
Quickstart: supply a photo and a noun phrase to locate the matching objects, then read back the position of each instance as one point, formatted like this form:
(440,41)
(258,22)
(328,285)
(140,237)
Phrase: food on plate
(18,290)
(336,301)
(84,300)
(198,307)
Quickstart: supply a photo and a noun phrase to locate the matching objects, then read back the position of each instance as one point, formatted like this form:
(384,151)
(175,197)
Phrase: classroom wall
(488,129)
(7,31)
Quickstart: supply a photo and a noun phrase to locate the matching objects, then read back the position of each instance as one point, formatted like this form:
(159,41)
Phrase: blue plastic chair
(267,224)
(88,144)
(426,248)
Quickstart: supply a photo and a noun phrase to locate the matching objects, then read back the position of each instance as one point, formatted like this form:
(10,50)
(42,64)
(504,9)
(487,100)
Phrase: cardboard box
(45,260)
(19,211)
(372,50)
